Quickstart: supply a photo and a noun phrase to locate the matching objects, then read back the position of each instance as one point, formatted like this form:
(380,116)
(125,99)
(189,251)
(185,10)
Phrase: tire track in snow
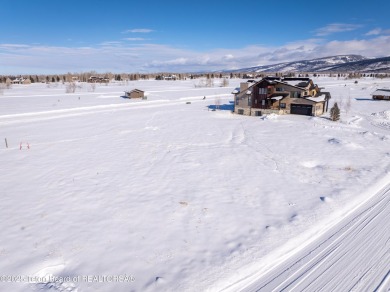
(66,113)
(353,254)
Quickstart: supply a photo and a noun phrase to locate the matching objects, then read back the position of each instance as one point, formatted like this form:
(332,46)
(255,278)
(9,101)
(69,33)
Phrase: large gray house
(280,96)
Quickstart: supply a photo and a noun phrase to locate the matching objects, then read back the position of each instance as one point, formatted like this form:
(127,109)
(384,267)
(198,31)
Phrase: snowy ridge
(342,63)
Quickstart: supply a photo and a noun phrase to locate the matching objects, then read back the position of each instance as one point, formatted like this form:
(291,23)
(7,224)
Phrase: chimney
(243,86)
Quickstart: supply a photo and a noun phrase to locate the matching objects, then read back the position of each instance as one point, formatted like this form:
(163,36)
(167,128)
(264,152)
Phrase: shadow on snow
(363,98)
(222,107)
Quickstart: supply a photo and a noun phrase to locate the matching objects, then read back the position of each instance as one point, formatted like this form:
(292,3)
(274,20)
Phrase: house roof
(297,78)
(297,81)
(276,95)
(272,78)
(289,84)
(385,92)
(135,90)
(236,90)
(321,98)
(323,93)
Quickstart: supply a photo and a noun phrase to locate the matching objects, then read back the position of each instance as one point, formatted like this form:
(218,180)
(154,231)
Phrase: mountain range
(340,63)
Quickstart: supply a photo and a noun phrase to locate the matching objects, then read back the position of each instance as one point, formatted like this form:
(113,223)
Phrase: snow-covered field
(101,193)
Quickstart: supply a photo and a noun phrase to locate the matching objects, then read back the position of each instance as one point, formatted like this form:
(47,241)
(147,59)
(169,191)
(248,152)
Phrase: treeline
(70,77)
(86,76)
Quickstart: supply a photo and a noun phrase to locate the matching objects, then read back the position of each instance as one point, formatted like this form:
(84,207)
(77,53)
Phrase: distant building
(95,79)
(21,80)
(280,96)
(381,94)
(167,77)
(135,93)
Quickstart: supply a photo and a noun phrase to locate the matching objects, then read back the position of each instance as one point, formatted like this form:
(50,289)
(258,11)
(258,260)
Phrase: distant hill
(341,63)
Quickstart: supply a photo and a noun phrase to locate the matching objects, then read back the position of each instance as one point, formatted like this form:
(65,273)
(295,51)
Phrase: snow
(317,99)
(102,193)
(342,254)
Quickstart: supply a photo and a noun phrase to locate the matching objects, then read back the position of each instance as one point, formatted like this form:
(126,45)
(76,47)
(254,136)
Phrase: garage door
(301,109)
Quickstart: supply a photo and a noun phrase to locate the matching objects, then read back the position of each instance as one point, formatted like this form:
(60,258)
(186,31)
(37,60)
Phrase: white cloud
(378,31)
(360,47)
(335,28)
(113,43)
(141,57)
(13,46)
(139,30)
(135,39)
(375,31)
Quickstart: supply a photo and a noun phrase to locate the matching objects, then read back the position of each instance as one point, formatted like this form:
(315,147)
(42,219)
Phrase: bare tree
(217,102)
(92,87)
(69,77)
(225,82)
(340,103)
(201,83)
(8,83)
(348,105)
(70,87)
(209,82)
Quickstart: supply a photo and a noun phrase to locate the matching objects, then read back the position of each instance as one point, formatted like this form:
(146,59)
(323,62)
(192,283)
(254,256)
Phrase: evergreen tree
(335,112)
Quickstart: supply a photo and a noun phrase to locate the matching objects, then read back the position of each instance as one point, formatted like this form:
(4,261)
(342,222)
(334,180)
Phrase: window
(295,94)
(237,100)
(282,105)
(240,111)
(249,101)
(279,88)
(262,90)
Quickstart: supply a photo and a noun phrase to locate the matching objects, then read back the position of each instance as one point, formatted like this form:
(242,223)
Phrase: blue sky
(44,37)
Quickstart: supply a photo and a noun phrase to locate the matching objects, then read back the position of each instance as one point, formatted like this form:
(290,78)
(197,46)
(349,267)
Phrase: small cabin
(135,93)
(381,94)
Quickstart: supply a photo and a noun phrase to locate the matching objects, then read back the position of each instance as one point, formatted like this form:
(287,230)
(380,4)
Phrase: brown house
(381,94)
(135,93)
(280,96)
